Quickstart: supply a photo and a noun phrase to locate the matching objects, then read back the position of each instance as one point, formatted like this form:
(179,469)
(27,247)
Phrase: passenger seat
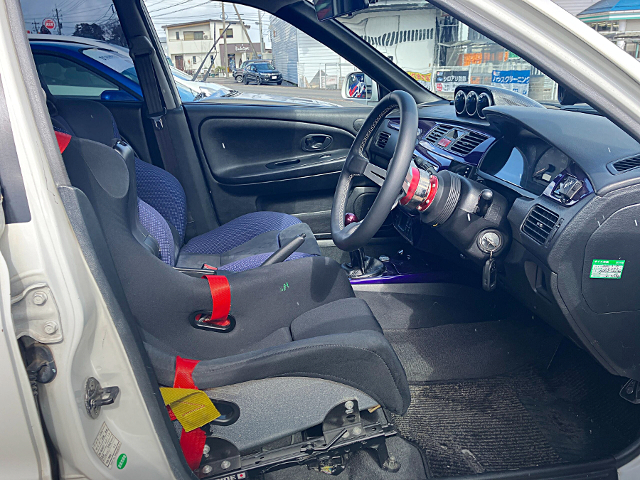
(241,244)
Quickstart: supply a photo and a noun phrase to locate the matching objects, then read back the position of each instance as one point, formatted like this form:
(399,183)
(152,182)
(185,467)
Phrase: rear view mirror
(360,87)
(326,9)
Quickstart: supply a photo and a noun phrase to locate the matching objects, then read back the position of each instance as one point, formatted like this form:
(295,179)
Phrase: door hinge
(35,314)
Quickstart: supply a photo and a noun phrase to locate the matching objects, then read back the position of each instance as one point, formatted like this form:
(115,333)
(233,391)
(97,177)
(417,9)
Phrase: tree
(89,30)
(114,34)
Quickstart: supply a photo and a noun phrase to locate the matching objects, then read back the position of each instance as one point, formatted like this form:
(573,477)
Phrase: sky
(163,12)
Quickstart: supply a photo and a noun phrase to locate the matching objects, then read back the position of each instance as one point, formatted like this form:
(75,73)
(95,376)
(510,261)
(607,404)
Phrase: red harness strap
(192,443)
(63,140)
(220,296)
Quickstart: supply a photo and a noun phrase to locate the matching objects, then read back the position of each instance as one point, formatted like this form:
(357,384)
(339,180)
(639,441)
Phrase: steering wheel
(357,234)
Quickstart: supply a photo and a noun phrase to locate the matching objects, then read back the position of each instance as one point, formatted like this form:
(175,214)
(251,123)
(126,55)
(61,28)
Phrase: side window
(67,78)
(239,54)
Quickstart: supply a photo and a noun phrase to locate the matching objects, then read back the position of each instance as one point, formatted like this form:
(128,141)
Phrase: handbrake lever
(283,252)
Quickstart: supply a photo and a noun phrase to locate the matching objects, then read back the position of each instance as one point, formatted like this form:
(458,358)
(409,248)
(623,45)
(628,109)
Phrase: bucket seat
(298,320)
(241,244)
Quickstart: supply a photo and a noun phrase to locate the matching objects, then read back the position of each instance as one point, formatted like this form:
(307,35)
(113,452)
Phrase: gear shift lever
(360,265)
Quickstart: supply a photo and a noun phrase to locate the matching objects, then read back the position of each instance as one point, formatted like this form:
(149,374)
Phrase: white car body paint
(46,249)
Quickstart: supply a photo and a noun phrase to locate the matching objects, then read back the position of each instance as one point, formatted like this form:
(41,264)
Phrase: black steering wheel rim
(357,234)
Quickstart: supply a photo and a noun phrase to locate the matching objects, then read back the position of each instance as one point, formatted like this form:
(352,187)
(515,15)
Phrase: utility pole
(58,22)
(35,27)
(261,38)
(225,58)
(255,54)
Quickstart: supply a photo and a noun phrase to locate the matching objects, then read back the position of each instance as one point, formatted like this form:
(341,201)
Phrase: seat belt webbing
(143,50)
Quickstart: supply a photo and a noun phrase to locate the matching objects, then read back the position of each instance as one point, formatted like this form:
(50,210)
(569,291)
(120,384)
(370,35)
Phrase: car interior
(355,298)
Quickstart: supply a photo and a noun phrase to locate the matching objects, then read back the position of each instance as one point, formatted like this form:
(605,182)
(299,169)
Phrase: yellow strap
(192,408)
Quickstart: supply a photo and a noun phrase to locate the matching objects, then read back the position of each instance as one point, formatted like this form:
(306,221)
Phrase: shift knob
(484,202)
(350,218)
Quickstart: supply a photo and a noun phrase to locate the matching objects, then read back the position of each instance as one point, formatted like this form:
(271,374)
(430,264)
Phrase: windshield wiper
(232,93)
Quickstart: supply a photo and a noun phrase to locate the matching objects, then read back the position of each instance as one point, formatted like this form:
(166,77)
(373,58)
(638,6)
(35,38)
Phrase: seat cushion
(254,251)
(238,231)
(342,316)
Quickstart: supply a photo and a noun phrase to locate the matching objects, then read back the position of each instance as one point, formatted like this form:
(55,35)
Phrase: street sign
(50,23)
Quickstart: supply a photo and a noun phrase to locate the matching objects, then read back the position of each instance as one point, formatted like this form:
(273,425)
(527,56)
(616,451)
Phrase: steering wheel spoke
(356,164)
(375,173)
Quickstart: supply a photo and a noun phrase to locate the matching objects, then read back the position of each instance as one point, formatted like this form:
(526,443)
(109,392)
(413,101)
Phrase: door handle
(316,142)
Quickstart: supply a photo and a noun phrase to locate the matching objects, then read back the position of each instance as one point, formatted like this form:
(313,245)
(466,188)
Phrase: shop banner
(514,80)
(448,80)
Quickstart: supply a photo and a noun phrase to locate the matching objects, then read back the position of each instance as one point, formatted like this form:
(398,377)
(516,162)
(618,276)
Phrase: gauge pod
(484,101)
(471,103)
(459,102)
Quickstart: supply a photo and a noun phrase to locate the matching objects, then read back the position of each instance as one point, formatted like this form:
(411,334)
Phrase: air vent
(540,223)
(627,164)
(467,143)
(437,133)
(383,138)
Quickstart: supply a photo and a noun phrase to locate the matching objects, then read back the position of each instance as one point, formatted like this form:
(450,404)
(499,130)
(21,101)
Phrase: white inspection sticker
(106,445)
(607,269)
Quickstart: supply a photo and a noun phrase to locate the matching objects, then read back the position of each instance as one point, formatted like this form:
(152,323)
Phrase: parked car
(261,73)
(99,70)
(238,73)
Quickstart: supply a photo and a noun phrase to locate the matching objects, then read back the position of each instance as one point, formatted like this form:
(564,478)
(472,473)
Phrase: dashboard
(562,219)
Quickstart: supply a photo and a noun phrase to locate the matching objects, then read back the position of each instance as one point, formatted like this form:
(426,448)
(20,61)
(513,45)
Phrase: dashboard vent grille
(383,138)
(437,133)
(539,223)
(627,164)
(467,143)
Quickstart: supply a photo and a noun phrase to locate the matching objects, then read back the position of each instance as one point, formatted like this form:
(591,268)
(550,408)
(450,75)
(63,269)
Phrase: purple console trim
(427,277)
(404,269)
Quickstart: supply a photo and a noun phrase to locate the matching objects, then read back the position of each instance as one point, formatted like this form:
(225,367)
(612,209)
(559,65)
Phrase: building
(304,61)
(189,45)
(617,20)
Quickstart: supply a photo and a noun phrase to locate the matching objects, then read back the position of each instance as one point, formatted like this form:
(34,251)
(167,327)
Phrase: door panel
(284,159)
(246,150)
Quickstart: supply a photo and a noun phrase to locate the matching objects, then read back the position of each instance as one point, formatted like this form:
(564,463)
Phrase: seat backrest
(162,200)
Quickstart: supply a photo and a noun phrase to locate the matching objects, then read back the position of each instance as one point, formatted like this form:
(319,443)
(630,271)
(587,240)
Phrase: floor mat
(536,416)
(472,350)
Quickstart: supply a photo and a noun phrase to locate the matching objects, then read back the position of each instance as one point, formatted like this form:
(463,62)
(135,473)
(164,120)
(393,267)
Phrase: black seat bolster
(363,360)
(342,316)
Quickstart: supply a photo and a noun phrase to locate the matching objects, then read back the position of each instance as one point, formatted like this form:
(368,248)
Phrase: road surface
(333,96)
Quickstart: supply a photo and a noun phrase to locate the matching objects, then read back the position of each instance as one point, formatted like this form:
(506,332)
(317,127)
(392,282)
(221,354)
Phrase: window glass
(440,52)
(306,71)
(64,77)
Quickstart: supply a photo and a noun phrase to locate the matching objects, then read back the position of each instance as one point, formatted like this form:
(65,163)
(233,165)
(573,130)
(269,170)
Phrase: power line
(171,6)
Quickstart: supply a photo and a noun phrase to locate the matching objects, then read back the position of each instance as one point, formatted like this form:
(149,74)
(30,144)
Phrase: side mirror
(360,88)
(117,96)
(326,9)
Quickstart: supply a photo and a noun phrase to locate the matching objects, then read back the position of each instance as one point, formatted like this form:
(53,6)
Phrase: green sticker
(607,269)
(122,461)
(284,287)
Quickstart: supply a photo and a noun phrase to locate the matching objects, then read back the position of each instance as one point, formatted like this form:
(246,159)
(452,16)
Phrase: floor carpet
(535,416)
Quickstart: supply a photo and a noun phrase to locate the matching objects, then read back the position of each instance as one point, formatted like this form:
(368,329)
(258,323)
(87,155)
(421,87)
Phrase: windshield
(263,67)
(123,64)
(441,52)
(180,74)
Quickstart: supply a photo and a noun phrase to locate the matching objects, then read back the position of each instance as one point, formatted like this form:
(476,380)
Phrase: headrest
(89,119)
